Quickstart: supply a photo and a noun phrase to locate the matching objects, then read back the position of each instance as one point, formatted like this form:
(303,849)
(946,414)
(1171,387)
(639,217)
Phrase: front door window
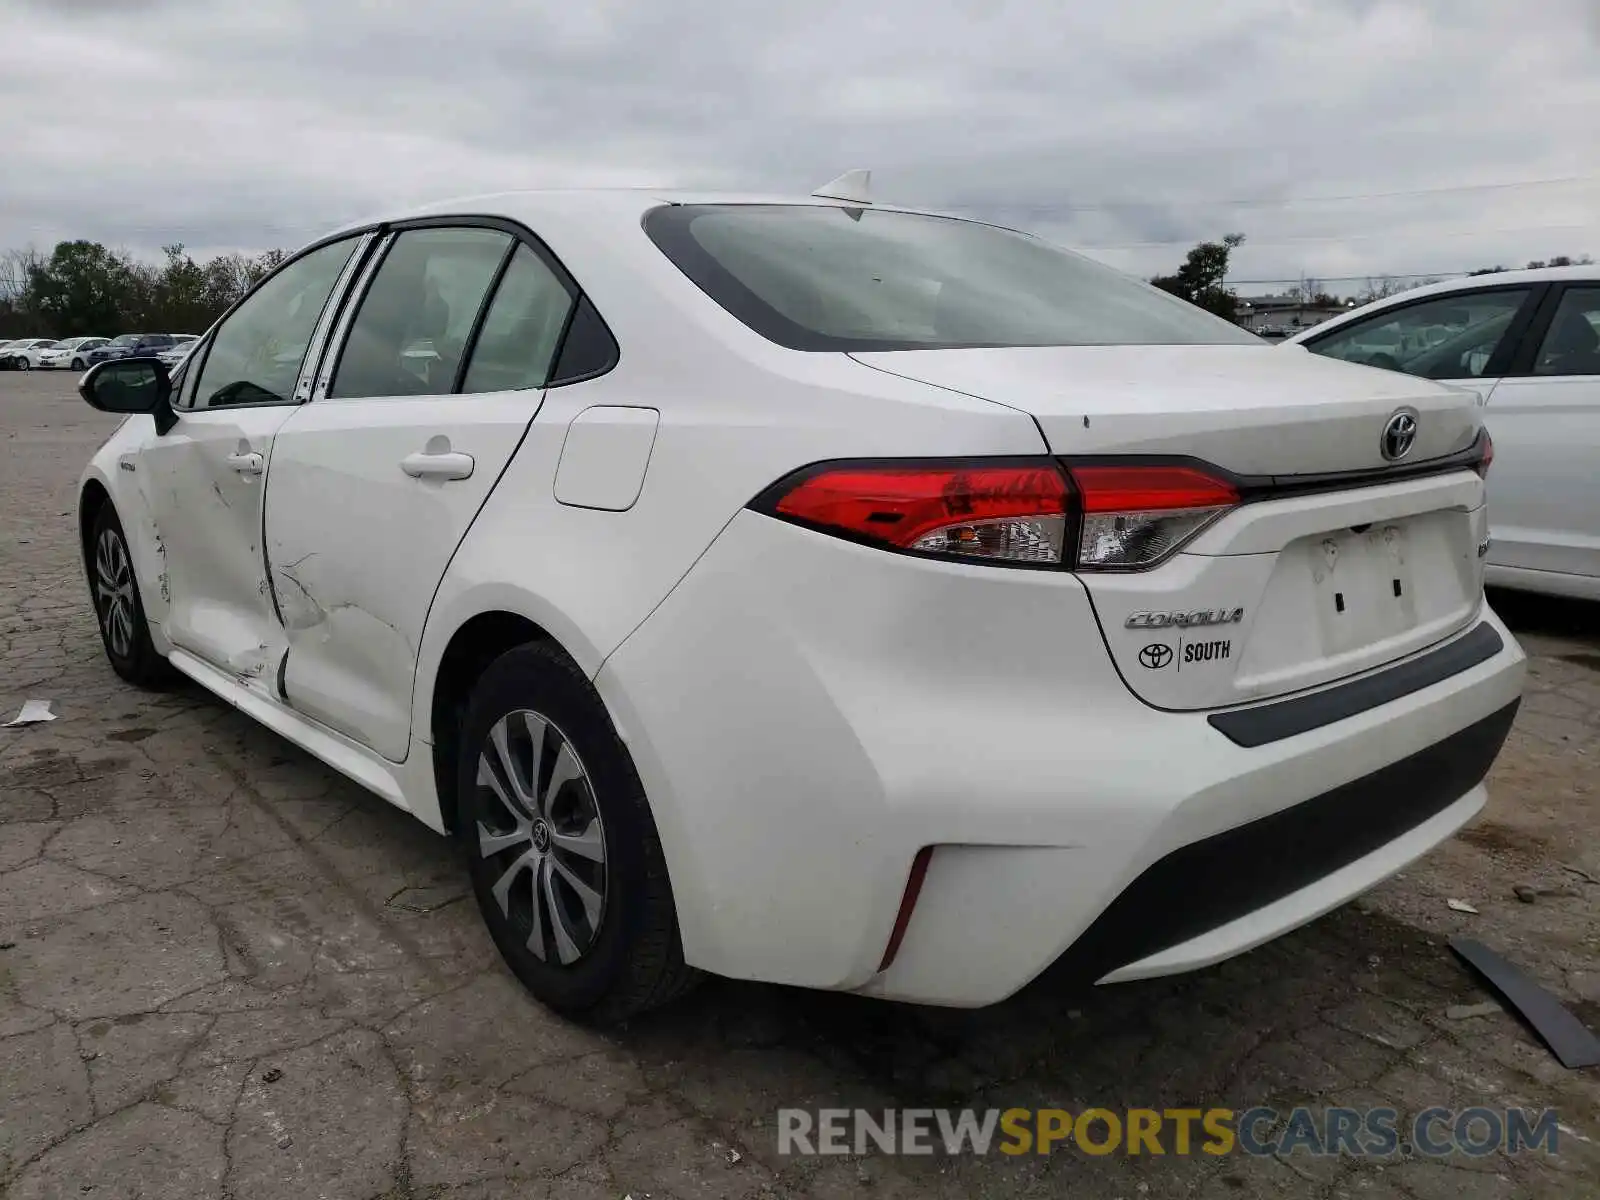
(1446,337)
(255,355)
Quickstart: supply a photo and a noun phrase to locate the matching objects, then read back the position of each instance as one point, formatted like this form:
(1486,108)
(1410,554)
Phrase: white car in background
(1528,344)
(23,354)
(814,591)
(69,353)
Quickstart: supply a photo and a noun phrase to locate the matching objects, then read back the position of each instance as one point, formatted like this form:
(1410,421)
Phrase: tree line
(85,288)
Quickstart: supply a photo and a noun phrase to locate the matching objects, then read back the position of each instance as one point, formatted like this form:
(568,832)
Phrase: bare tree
(1379,287)
(16,267)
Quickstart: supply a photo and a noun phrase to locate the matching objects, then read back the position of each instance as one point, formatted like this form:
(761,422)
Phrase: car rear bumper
(1215,897)
(807,715)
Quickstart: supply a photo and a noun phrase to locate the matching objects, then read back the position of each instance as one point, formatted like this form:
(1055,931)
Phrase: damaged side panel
(149,551)
(350,668)
(203,499)
(358,544)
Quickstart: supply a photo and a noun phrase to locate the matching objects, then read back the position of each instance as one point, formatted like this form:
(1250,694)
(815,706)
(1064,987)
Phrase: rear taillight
(1136,516)
(1483,463)
(1006,512)
(1029,512)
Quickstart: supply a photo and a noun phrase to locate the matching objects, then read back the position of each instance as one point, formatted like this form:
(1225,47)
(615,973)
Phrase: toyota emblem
(1399,435)
(1155,656)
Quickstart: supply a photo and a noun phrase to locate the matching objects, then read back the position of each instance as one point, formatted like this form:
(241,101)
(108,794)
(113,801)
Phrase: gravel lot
(225,971)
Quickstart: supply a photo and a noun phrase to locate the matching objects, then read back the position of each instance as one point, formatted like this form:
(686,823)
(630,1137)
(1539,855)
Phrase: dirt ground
(226,971)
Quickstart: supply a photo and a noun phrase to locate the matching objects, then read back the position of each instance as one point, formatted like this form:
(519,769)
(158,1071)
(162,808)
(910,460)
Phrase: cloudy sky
(1343,137)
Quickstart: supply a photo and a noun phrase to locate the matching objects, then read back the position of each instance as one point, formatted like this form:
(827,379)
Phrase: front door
(205,478)
(377,480)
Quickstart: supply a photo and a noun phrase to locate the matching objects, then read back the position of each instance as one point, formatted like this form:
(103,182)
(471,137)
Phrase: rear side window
(518,340)
(819,277)
(410,333)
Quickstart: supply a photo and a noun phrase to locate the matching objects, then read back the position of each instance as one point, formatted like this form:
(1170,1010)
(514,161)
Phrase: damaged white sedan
(815,591)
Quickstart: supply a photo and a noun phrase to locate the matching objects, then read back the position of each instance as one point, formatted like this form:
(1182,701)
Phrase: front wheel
(118,608)
(564,856)
(24,365)
(78,365)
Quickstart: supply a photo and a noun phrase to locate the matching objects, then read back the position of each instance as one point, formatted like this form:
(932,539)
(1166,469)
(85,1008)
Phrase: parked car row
(81,353)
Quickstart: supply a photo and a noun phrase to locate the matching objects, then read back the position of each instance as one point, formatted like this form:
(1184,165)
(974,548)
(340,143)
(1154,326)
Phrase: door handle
(445,464)
(247,462)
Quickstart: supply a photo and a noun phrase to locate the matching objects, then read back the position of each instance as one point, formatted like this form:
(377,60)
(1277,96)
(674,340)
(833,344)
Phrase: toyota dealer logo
(1155,656)
(1399,435)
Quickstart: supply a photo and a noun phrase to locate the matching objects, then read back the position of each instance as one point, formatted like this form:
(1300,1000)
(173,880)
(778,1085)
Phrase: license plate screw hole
(1397,588)
(1338,601)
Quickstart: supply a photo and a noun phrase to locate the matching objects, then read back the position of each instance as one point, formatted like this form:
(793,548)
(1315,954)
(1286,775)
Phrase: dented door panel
(359,535)
(204,497)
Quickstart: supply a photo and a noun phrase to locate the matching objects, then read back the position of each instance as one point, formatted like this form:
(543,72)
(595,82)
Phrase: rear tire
(119,609)
(563,852)
(77,364)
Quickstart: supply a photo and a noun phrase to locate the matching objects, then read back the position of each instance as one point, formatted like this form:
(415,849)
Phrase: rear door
(440,369)
(1544,492)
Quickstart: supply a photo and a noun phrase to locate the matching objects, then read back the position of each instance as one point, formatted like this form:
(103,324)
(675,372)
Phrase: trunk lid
(1286,591)
(1256,410)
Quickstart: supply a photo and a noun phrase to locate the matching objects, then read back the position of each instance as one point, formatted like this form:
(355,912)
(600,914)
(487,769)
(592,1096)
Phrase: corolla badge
(1399,435)
(1184,620)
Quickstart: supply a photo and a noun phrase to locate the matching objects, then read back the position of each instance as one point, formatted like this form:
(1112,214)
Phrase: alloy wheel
(541,836)
(113,591)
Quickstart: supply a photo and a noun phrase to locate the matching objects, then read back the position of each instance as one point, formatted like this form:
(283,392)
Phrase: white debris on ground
(33,712)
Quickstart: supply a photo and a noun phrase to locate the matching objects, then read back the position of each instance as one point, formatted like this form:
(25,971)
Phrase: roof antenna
(853,187)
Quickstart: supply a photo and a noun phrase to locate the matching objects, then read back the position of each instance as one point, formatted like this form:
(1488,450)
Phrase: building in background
(1287,314)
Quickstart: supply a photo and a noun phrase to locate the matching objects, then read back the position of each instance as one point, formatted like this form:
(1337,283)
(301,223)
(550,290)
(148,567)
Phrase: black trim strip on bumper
(1266,723)
(1206,884)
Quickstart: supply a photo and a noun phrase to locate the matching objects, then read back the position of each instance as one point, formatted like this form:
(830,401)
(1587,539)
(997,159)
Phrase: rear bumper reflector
(919,872)
(1266,723)
(1206,884)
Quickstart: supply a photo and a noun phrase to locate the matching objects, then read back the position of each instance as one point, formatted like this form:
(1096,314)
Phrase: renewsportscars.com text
(1367,1133)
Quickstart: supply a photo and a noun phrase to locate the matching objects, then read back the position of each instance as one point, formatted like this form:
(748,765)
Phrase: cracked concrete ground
(225,971)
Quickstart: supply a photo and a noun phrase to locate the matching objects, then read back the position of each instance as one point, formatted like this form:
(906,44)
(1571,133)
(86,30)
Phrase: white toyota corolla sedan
(815,591)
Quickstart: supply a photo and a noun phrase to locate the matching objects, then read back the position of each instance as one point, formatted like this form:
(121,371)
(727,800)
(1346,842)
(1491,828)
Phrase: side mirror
(131,385)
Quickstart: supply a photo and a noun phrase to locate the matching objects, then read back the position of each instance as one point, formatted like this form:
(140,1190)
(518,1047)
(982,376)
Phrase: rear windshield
(817,277)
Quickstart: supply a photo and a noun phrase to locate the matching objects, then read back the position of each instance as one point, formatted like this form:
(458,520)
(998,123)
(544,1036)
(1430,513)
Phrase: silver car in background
(174,354)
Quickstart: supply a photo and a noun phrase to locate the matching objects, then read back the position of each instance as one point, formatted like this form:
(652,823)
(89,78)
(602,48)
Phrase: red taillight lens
(1136,516)
(1137,489)
(1119,518)
(1488,456)
(1006,513)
